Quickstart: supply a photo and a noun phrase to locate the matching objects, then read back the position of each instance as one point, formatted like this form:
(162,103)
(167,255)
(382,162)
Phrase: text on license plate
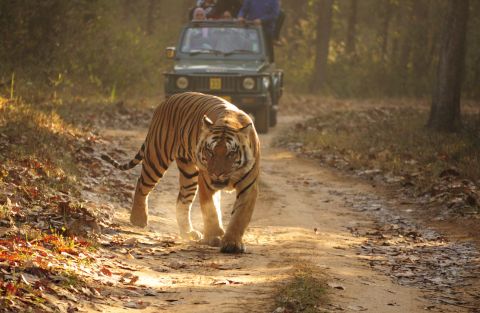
(215,83)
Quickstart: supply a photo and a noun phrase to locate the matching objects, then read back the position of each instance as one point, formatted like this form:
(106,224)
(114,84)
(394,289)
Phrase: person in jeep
(262,12)
(199,14)
(217,9)
(223,40)
(231,6)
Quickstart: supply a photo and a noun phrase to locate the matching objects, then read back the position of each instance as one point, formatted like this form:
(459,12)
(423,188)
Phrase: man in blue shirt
(262,12)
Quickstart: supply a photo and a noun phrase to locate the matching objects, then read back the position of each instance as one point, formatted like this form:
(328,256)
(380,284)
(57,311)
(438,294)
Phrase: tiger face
(222,152)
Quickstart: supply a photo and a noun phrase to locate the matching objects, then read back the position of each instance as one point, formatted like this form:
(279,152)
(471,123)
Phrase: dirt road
(301,216)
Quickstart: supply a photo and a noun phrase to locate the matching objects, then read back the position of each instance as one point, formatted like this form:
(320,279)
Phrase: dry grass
(45,136)
(306,291)
(38,138)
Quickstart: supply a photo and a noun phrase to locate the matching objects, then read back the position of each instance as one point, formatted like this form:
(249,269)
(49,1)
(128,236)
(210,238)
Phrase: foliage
(85,45)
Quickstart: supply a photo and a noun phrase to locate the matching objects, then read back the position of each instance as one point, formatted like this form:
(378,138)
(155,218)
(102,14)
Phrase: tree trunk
(385,28)
(420,41)
(351,28)
(295,10)
(403,65)
(324,26)
(445,109)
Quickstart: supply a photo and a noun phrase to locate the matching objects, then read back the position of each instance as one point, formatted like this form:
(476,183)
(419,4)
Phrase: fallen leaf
(133,280)
(336,286)
(225,282)
(87,291)
(130,242)
(137,305)
(105,271)
(357,308)
(10,288)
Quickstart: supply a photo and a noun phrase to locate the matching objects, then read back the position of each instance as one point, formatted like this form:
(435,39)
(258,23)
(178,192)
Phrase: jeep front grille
(219,85)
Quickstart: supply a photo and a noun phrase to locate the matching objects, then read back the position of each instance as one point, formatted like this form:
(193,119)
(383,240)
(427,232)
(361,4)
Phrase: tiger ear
(207,122)
(245,129)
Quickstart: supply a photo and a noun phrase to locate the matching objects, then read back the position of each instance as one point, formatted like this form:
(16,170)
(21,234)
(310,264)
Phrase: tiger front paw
(193,235)
(139,219)
(139,213)
(232,246)
(213,236)
(214,241)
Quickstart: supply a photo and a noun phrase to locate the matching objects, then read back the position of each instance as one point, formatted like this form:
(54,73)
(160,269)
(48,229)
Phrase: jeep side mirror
(170,52)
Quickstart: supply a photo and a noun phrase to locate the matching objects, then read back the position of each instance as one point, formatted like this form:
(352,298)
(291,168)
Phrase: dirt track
(301,216)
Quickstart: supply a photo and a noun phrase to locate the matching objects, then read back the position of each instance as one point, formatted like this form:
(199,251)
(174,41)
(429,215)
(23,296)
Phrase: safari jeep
(227,59)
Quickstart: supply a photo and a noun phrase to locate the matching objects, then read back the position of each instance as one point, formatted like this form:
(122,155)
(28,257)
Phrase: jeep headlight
(248,83)
(266,82)
(182,82)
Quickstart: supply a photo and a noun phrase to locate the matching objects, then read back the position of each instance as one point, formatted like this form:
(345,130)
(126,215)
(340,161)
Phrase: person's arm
(244,9)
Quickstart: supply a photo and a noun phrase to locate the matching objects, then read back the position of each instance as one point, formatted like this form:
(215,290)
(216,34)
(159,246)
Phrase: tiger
(216,147)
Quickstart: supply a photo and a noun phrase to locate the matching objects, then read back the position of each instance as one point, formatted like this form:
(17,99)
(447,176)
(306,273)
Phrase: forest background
(377,48)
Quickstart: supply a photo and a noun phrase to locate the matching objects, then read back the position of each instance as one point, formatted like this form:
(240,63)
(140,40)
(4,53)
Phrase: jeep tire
(273,116)
(262,118)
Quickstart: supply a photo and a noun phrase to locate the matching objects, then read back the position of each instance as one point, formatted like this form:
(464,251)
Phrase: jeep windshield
(221,41)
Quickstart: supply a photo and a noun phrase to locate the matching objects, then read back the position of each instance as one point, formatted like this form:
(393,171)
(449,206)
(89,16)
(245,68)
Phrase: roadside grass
(305,291)
(37,137)
(391,140)
(44,136)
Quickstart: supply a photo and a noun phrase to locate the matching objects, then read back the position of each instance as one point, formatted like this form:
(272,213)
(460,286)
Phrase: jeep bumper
(245,102)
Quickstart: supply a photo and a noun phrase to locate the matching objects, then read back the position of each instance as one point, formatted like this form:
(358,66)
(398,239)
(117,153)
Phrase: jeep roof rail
(210,23)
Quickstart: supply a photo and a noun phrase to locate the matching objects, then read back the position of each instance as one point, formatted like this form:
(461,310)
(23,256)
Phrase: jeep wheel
(262,119)
(273,116)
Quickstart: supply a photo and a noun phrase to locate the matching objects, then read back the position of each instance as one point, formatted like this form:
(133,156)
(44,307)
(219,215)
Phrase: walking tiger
(216,147)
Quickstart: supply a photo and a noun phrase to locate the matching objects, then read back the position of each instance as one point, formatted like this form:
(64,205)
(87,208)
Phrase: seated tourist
(199,14)
(209,6)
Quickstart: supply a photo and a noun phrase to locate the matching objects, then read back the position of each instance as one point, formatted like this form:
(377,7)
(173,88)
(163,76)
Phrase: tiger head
(223,150)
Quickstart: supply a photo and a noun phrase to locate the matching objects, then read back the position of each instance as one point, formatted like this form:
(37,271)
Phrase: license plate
(215,83)
(228,98)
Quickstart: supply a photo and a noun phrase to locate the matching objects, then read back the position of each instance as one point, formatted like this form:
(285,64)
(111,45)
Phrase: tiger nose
(216,176)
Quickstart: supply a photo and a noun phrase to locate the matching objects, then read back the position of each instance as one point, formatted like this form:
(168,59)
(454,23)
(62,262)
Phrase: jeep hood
(219,66)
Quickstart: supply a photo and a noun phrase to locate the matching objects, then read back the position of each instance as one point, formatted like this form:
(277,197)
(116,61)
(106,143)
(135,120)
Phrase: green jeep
(227,59)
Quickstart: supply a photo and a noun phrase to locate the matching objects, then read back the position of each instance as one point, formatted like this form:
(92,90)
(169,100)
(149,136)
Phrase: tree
(150,17)
(445,109)
(351,28)
(322,43)
(384,30)
(420,61)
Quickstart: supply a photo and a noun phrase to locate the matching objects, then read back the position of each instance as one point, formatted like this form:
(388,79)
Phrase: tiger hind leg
(146,182)
(188,179)
(211,213)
